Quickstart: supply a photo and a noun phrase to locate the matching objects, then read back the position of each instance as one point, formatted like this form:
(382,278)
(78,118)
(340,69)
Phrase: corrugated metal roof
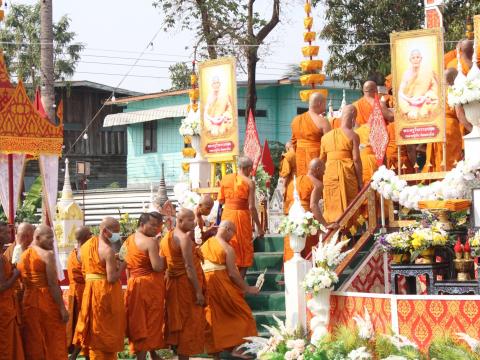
(134,117)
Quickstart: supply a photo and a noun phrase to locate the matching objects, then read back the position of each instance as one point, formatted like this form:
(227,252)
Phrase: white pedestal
(295,302)
(199,173)
(472,144)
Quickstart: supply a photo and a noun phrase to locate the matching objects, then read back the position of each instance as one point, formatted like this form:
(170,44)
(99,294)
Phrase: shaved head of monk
(110,229)
(82,234)
(25,234)
(450,75)
(316,168)
(4,234)
(245,165)
(185,220)
(317,103)
(226,230)
(466,48)
(370,88)
(205,205)
(43,237)
(349,113)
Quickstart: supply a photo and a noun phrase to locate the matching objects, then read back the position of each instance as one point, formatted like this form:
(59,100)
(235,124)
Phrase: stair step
(270,243)
(270,260)
(274,281)
(267,301)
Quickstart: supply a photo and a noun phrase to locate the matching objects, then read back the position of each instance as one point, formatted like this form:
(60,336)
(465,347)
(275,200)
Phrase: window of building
(149,137)
(258,113)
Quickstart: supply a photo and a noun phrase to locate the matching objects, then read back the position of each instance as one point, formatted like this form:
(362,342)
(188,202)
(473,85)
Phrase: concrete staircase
(271,300)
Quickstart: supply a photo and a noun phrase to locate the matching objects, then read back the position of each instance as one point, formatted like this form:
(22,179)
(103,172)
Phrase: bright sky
(115,33)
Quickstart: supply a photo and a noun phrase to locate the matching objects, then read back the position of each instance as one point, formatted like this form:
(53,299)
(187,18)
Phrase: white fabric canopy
(134,117)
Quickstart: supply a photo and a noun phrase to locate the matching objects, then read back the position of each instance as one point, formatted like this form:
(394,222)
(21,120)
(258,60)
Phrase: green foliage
(360,23)
(446,348)
(261,178)
(276,150)
(114,185)
(22,51)
(33,201)
(179,74)
(128,225)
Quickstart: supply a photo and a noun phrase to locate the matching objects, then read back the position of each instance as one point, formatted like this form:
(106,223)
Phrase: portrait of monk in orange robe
(418,91)
(218,113)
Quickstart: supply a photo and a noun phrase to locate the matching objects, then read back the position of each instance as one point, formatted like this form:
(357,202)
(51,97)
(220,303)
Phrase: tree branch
(264,31)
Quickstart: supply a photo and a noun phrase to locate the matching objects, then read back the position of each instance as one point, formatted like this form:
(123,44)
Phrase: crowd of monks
(180,295)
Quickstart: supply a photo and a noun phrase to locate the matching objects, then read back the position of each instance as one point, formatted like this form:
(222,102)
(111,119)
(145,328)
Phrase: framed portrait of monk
(218,109)
(418,86)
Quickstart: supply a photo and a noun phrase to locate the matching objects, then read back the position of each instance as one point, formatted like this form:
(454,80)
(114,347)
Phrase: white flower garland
(190,125)
(457,184)
(466,89)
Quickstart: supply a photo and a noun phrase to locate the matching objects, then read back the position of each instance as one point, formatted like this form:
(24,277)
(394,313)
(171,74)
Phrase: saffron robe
(364,110)
(305,188)
(17,287)
(101,322)
(185,321)
(144,300)
(391,153)
(367,156)
(234,192)
(306,138)
(75,292)
(44,332)
(10,339)
(229,318)
(287,170)
(454,144)
(339,181)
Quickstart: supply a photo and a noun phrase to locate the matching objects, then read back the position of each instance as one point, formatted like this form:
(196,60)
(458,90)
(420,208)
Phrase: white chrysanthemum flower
(359,354)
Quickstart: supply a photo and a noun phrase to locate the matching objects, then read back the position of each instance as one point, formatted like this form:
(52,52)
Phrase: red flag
(378,132)
(251,145)
(267,161)
(38,104)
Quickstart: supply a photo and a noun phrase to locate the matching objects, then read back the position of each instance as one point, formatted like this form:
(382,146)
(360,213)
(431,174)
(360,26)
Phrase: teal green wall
(280,102)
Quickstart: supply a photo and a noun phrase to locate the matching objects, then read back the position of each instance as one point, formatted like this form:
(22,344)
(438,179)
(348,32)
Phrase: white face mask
(115,237)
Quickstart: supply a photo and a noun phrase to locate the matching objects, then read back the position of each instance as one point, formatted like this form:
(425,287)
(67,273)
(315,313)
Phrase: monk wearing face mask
(102,321)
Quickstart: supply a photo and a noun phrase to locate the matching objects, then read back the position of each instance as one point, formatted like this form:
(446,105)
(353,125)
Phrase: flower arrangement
(190,125)
(427,237)
(398,242)
(465,92)
(326,257)
(301,226)
(185,197)
(475,244)
(457,184)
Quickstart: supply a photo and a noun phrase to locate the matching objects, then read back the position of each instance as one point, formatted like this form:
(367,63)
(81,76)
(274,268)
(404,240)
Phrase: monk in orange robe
(44,312)
(10,339)
(101,322)
(310,191)
(23,239)
(391,153)
(364,105)
(367,156)
(145,295)
(452,135)
(287,168)
(185,287)
(237,192)
(465,47)
(204,208)
(307,131)
(343,171)
(229,318)
(76,286)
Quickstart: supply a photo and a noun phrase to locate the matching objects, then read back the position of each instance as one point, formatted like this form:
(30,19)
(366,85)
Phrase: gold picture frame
(218,109)
(418,86)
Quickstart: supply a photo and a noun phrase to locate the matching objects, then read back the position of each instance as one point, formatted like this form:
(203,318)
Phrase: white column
(199,173)
(295,301)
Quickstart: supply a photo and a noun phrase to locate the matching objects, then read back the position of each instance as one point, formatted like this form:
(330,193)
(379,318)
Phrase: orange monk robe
(335,123)
(185,321)
(364,110)
(101,322)
(234,192)
(306,137)
(229,318)
(75,292)
(11,347)
(367,156)
(391,153)
(305,188)
(44,333)
(453,147)
(287,170)
(17,287)
(339,181)
(144,300)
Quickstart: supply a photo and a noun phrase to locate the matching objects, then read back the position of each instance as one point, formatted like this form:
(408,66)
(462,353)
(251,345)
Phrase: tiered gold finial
(310,67)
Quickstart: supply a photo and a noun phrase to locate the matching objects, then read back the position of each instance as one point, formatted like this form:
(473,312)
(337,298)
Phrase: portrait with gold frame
(218,109)
(418,86)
